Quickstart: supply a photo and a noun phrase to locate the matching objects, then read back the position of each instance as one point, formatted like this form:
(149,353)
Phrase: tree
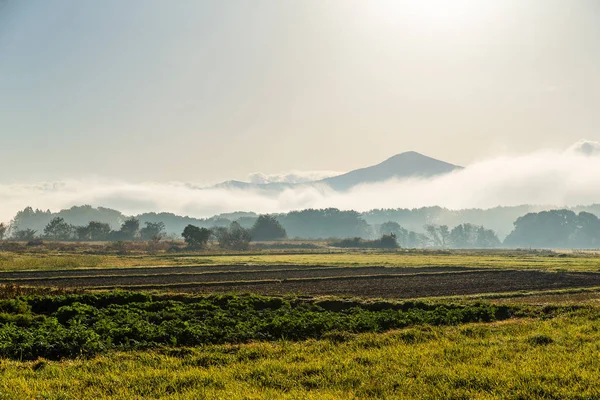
(24,235)
(550,229)
(415,240)
(486,238)
(267,227)
(58,229)
(388,241)
(3,229)
(196,237)
(98,231)
(325,223)
(129,229)
(94,231)
(460,237)
(220,233)
(394,228)
(82,233)
(444,235)
(556,229)
(234,238)
(469,236)
(387,228)
(153,231)
(587,234)
(432,233)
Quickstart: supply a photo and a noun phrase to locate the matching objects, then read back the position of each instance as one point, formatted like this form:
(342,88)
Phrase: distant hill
(403,165)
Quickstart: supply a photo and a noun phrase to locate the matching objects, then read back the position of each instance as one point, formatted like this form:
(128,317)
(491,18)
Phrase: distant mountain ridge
(409,164)
(404,165)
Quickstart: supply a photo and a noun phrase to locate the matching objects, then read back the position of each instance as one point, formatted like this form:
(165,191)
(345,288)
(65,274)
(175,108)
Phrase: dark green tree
(3,229)
(130,229)
(98,231)
(153,231)
(94,231)
(196,237)
(82,233)
(267,227)
(58,229)
(388,241)
(325,223)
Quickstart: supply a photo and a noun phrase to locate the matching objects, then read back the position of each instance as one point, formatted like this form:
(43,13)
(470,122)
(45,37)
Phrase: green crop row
(72,325)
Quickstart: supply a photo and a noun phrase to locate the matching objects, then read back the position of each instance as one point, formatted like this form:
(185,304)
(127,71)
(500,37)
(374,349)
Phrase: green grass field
(557,358)
(542,343)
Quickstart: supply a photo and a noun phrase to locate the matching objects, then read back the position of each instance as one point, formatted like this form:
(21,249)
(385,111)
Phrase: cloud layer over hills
(570,177)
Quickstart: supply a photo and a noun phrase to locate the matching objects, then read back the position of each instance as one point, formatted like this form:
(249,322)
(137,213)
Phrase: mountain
(403,165)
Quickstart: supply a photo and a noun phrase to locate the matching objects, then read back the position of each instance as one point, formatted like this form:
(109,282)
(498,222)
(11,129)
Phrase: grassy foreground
(557,358)
(62,344)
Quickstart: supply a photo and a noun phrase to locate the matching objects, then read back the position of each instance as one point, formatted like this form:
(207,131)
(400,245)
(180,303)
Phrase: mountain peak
(409,164)
(407,154)
(403,165)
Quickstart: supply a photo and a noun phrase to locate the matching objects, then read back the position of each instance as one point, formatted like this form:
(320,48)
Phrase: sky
(206,91)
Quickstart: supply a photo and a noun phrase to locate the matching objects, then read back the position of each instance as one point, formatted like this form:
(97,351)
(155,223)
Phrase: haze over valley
(544,179)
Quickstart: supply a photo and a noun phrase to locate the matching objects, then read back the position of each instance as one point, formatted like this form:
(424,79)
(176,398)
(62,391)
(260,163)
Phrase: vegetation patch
(72,325)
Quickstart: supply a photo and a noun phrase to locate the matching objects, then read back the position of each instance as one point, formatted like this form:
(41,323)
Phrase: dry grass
(54,259)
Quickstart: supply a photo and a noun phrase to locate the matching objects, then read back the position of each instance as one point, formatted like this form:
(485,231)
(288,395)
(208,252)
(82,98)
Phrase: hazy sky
(205,91)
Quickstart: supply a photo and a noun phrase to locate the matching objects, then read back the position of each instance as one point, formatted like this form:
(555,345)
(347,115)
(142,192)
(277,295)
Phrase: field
(461,324)
(75,257)
(367,274)
(517,359)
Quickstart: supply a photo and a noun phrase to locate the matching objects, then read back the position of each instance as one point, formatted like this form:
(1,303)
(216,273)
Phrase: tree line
(556,229)
(462,236)
(306,224)
(233,236)
(546,229)
(59,230)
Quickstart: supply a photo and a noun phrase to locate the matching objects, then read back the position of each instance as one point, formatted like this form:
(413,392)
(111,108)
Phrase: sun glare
(430,13)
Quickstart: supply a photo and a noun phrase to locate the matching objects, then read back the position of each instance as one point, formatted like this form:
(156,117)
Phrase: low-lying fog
(561,178)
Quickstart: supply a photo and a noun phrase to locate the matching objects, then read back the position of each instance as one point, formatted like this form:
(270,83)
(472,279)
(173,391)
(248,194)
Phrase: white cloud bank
(586,147)
(291,177)
(570,177)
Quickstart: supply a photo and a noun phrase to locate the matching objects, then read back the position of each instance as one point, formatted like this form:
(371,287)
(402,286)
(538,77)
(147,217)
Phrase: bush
(385,242)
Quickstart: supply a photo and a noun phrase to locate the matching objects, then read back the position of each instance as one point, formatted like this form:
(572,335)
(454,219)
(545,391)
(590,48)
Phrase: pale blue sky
(205,91)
